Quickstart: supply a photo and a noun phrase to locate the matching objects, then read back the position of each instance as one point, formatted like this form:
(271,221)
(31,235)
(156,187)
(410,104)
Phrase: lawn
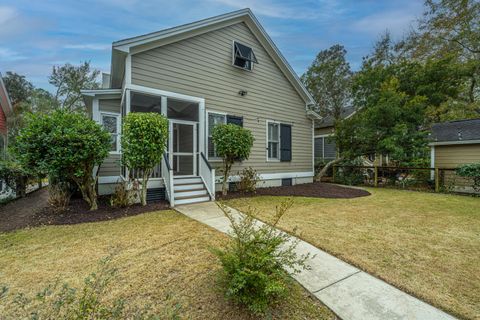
(426,244)
(163,259)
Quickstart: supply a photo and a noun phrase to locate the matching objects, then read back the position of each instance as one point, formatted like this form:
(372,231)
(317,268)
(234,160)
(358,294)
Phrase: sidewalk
(349,292)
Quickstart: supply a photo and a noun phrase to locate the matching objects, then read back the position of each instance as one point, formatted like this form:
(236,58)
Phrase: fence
(412,178)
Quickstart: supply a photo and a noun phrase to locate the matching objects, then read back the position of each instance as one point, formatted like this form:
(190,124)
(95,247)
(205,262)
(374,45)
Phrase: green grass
(426,244)
(163,259)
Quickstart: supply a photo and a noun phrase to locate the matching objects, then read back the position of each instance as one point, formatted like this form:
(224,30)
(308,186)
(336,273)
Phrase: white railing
(138,173)
(207,173)
(167,174)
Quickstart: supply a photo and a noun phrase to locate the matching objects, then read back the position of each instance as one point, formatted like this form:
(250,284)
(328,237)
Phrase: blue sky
(35,35)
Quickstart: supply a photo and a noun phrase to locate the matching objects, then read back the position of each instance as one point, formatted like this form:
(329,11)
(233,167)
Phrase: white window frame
(212,159)
(323,137)
(233,56)
(267,140)
(119,128)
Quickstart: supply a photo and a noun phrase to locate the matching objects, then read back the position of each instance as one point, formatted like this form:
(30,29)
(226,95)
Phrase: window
(243,56)
(325,148)
(111,123)
(213,120)
(273,141)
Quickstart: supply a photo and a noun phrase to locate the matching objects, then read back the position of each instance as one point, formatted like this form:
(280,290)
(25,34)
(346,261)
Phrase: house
(5,110)
(325,148)
(455,143)
(224,69)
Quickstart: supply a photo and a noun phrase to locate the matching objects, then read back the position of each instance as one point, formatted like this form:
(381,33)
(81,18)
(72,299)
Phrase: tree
(329,81)
(69,80)
(233,143)
(144,138)
(64,145)
(18,88)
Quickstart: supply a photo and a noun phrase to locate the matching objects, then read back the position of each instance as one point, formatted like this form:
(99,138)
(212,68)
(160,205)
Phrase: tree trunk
(144,187)
(87,188)
(226,170)
(325,169)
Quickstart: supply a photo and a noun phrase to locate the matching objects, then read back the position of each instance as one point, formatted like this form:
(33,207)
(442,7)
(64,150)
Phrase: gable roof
(5,102)
(456,131)
(329,121)
(120,49)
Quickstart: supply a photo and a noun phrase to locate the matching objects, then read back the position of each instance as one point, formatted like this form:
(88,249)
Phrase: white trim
(158,92)
(271,176)
(96,111)
(110,179)
(99,92)
(217,159)
(323,135)
(447,143)
(118,116)
(267,140)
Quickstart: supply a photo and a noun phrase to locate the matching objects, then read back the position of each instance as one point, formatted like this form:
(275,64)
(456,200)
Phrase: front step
(189,190)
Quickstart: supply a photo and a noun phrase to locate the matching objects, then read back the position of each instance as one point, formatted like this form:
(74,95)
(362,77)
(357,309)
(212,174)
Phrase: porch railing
(138,173)
(207,173)
(167,174)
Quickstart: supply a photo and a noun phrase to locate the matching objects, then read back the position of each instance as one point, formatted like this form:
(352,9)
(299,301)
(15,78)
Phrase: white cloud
(10,55)
(88,46)
(397,22)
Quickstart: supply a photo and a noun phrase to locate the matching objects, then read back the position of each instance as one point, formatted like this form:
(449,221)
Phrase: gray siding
(202,66)
(111,165)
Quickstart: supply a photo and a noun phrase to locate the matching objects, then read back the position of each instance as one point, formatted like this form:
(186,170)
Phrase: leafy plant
(248,180)
(233,143)
(255,259)
(472,171)
(64,145)
(349,174)
(15,176)
(144,140)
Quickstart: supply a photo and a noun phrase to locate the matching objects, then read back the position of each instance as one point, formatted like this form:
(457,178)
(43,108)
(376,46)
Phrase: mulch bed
(313,190)
(34,211)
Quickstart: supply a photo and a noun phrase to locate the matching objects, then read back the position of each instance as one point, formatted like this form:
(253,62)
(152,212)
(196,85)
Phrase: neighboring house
(455,143)
(325,148)
(5,110)
(224,69)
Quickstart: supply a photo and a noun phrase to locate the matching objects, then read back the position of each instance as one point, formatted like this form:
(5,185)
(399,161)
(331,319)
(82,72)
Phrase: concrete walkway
(349,292)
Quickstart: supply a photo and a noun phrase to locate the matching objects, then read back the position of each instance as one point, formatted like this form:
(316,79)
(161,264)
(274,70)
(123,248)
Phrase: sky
(37,34)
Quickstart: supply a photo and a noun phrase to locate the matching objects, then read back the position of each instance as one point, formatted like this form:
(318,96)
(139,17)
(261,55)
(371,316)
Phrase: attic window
(243,56)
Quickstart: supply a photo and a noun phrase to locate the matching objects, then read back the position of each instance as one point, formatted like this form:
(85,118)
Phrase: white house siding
(202,66)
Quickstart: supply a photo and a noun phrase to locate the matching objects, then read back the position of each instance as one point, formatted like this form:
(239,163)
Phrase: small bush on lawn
(350,174)
(248,180)
(471,171)
(255,260)
(90,302)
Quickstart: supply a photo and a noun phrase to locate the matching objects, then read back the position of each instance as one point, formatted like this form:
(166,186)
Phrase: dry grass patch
(427,244)
(163,260)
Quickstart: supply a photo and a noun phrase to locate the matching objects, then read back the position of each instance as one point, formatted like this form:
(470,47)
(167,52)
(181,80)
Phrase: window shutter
(285,142)
(235,120)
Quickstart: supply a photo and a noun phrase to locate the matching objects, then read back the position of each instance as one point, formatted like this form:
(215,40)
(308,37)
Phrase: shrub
(255,259)
(64,145)
(15,176)
(349,174)
(232,143)
(59,195)
(125,194)
(472,171)
(89,302)
(248,180)
(144,139)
